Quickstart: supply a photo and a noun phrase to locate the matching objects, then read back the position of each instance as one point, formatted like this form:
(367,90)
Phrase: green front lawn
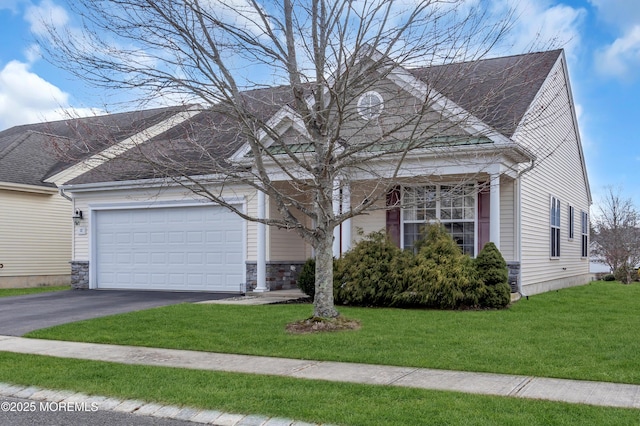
(590,332)
(307,400)
(6,292)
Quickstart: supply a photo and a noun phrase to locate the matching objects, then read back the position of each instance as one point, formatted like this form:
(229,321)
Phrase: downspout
(73,232)
(533,161)
(63,195)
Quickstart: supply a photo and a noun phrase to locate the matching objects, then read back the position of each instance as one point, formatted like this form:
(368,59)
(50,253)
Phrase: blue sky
(601,39)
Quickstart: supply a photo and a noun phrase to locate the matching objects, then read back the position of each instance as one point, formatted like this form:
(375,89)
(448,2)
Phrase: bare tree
(616,233)
(253,66)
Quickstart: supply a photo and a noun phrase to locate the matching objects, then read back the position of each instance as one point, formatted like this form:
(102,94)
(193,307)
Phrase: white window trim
(365,111)
(584,223)
(438,210)
(572,223)
(554,203)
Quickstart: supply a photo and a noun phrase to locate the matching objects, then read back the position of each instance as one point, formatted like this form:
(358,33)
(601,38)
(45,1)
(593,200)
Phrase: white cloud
(46,14)
(623,14)
(33,53)
(622,57)
(541,25)
(25,97)
(11,5)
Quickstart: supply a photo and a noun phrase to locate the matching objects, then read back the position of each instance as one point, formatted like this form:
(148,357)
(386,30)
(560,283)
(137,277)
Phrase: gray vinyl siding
(507,219)
(283,244)
(549,130)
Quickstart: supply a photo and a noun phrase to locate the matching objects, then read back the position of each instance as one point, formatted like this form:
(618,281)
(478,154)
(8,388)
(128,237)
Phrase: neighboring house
(525,189)
(35,217)
(35,221)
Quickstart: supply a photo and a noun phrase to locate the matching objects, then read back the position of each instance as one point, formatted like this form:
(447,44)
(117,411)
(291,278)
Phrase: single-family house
(35,216)
(513,174)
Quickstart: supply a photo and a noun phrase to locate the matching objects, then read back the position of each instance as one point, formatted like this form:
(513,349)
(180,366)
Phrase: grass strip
(590,332)
(311,401)
(7,292)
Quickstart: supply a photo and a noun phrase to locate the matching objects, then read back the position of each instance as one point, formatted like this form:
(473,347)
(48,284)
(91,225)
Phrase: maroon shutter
(484,205)
(393,215)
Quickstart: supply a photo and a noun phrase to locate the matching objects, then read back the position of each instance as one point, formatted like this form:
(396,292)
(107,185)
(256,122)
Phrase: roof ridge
(474,61)
(102,115)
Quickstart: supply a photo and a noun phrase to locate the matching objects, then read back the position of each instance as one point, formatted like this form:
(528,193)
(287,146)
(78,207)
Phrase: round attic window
(370,105)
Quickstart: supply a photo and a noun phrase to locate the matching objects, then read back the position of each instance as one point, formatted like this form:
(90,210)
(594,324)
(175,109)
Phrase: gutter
(21,187)
(62,194)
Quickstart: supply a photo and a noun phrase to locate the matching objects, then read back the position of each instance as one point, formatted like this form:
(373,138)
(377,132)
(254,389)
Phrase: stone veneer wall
(80,274)
(514,276)
(280,275)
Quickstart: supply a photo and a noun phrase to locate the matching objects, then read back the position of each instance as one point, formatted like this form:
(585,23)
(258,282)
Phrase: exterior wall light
(77,217)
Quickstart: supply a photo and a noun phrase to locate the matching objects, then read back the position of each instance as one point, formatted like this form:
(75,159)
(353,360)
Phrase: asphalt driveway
(22,314)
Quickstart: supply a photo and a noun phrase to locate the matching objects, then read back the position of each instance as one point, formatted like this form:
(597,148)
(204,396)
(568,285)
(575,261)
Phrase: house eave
(153,183)
(34,189)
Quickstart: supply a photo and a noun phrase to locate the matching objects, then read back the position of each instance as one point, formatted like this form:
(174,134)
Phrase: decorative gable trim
(285,118)
(403,79)
(119,148)
(449,108)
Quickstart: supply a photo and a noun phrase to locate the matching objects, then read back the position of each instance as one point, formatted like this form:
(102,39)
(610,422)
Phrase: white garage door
(195,248)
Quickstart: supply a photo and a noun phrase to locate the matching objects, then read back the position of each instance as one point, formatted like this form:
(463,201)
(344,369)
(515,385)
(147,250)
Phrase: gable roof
(496,91)
(31,153)
(217,133)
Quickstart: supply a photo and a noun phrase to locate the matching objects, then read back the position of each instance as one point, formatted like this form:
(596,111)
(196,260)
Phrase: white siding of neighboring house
(83,201)
(35,239)
(549,130)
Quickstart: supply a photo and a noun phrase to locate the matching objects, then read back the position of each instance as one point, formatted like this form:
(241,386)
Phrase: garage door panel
(173,248)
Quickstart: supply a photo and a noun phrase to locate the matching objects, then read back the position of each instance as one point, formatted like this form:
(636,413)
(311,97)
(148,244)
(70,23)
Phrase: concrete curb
(82,402)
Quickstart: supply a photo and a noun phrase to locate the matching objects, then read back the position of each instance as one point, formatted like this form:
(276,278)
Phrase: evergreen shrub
(307,278)
(368,274)
(377,273)
(492,270)
(441,276)
(625,274)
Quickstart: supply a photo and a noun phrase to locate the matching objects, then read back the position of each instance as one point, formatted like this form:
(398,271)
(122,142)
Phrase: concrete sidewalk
(573,391)
(264,298)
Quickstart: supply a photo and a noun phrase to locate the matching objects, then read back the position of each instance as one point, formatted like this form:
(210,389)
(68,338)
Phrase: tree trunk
(323,301)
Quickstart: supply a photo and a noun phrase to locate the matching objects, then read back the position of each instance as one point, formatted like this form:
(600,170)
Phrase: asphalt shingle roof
(32,152)
(498,91)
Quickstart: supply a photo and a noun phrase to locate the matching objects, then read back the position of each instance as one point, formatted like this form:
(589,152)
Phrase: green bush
(441,276)
(368,274)
(625,274)
(307,278)
(492,270)
(609,277)
(377,273)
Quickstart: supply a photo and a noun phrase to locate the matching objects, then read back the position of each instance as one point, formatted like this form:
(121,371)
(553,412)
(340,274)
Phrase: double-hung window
(571,222)
(555,227)
(454,206)
(585,234)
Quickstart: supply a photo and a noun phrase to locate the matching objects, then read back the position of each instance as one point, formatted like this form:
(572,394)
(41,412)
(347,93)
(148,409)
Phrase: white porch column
(336,211)
(346,225)
(494,211)
(261,261)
